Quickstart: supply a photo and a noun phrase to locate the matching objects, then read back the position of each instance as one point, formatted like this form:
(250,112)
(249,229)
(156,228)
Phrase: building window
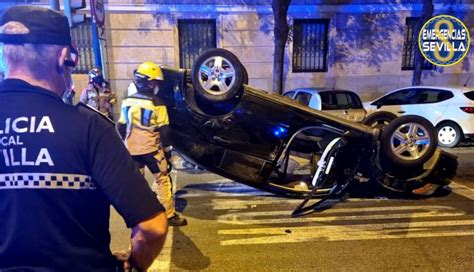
(82,39)
(310,45)
(410,45)
(195,36)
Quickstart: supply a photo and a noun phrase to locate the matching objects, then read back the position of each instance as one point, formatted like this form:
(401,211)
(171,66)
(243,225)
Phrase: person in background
(70,93)
(55,201)
(98,94)
(143,126)
(68,96)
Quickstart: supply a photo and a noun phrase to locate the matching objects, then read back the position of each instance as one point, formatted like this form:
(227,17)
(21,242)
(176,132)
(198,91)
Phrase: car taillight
(468,109)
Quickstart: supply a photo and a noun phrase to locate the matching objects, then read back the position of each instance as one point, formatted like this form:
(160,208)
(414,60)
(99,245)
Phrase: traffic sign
(98,12)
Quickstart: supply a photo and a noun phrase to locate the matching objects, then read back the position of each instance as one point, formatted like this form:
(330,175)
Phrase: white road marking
(462,190)
(239,204)
(163,261)
(207,194)
(224,188)
(349,232)
(398,212)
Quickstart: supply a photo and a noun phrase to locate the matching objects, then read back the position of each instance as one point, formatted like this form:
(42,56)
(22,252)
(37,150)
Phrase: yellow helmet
(148,71)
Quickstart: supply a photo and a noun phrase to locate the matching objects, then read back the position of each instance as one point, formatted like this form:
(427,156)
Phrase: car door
(429,103)
(343,104)
(420,101)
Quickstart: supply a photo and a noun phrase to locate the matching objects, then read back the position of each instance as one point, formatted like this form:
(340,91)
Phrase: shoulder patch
(85,106)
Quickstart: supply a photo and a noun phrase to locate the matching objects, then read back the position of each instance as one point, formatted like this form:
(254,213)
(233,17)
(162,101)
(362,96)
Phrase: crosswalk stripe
(462,190)
(349,232)
(261,217)
(389,227)
(163,261)
(239,204)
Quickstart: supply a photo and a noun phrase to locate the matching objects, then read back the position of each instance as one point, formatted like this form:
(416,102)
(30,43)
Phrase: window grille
(82,39)
(410,45)
(310,45)
(195,36)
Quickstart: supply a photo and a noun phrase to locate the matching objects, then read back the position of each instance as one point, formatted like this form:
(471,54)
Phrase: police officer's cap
(45,26)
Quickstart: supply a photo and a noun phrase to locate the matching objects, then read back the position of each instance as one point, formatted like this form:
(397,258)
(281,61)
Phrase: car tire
(217,75)
(449,134)
(245,76)
(408,141)
(379,119)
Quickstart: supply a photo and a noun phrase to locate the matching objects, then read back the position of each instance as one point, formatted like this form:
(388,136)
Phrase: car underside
(248,135)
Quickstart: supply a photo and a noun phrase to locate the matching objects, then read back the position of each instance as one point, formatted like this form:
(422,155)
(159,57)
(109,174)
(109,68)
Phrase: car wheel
(408,141)
(379,119)
(449,134)
(217,75)
(245,76)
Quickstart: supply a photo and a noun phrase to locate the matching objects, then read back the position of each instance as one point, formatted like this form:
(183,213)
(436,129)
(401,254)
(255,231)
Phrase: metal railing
(310,45)
(410,45)
(195,36)
(82,39)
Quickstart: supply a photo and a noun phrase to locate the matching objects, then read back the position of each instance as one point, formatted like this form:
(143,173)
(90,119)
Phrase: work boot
(177,221)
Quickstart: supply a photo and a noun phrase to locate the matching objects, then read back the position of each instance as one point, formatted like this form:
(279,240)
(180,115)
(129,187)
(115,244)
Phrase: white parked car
(342,103)
(450,110)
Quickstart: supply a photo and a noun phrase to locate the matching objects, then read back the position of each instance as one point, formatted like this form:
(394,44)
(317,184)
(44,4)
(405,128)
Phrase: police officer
(98,94)
(143,125)
(62,166)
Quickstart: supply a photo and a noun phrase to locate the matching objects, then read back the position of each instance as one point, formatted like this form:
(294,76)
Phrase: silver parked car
(341,103)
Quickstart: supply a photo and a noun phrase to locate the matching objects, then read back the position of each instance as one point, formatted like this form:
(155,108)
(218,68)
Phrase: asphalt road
(233,227)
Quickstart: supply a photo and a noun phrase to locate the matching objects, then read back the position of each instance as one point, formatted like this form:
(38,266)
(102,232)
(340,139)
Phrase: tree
(427,14)
(281,29)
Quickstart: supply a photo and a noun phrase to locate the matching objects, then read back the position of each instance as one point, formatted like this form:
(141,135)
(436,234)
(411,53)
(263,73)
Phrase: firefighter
(143,126)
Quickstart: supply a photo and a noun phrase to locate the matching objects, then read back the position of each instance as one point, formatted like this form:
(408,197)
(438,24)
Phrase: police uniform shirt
(61,167)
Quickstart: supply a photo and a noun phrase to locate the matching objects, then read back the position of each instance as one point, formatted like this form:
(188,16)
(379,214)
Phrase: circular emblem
(444,40)
(98,11)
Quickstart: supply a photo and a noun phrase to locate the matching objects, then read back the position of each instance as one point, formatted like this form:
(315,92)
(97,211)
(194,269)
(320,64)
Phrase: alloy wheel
(410,141)
(217,75)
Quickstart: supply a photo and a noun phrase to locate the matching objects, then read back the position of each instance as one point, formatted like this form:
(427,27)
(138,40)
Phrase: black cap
(45,26)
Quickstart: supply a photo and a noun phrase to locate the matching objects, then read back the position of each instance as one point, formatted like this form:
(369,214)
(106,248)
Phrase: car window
(339,100)
(402,97)
(470,95)
(346,100)
(442,95)
(425,96)
(289,94)
(327,101)
(303,98)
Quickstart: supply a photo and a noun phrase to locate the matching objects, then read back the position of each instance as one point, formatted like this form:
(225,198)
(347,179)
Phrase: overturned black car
(245,134)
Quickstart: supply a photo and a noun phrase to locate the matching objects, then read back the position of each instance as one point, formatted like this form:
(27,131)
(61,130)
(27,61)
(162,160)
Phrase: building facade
(362,45)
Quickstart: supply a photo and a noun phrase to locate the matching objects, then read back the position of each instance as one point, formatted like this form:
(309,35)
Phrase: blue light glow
(280,131)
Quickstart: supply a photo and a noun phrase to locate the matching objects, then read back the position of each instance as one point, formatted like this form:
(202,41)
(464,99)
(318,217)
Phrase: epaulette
(82,105)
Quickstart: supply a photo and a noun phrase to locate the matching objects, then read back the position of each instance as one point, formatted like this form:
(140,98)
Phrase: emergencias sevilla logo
(444,40)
